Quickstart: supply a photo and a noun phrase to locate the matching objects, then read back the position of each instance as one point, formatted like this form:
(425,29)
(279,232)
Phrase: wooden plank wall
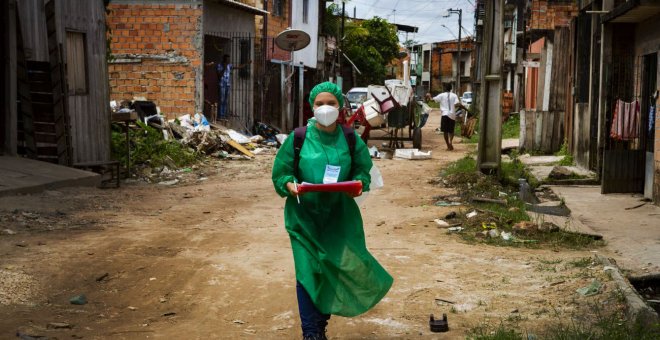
(544,131)
(88,113)
(33,27)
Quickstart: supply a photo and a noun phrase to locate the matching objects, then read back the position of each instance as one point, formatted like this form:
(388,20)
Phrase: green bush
(568,158)
(147,146)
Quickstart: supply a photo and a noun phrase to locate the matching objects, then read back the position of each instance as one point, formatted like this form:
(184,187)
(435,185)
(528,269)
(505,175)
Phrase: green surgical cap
(326,87)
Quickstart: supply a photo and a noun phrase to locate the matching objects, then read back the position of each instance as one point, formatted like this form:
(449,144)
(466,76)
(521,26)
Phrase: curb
(637,307)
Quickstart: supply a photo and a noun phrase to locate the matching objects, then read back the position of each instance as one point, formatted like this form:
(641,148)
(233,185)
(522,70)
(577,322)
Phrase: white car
(466,99)
(356,96)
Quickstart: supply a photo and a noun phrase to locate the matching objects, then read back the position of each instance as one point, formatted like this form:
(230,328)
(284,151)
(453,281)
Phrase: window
(278,8)
(244,57)
(76,63)
(305,15)
(427,59)
(462,70)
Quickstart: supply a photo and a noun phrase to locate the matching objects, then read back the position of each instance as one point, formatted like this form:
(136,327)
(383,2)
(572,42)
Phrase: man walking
(448,102)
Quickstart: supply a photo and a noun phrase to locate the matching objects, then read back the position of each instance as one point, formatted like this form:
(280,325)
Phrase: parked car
(466,99)
(356,96)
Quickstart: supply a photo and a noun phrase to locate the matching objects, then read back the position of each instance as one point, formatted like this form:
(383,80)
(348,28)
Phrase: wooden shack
(55,103)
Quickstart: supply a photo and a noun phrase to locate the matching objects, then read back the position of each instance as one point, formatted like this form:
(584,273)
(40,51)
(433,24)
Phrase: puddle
(648,286)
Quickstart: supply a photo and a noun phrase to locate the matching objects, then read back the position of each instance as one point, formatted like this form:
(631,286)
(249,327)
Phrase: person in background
(448,101)
(223,70)
(335,273)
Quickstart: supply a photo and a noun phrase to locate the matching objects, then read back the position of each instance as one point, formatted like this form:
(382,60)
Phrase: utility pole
(489,151)
(340,77)
(458,62)
(264,53)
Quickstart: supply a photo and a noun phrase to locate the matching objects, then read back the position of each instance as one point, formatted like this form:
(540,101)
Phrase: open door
(649,95)
(624,148)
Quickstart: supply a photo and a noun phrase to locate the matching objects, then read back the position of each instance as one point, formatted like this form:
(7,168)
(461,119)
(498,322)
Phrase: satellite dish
(292,40)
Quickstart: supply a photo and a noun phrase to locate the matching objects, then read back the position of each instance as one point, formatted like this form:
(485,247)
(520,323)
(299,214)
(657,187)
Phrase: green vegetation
(568,158)
(511,128)
(505,209)
(371,44)
(581,263)
(593,323)
(464,165)
(510,172)
(149,147)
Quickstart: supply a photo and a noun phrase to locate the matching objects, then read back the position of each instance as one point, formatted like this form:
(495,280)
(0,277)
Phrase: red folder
(353,188)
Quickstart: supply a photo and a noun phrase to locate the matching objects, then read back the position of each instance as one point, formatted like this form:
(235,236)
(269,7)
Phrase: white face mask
(326,114)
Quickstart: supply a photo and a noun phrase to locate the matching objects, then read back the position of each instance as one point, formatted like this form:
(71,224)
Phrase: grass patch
(464,165)
(511,128)
(472,184)
(512,171)
(502,332)
(581,262)
(593,323)
(568,158)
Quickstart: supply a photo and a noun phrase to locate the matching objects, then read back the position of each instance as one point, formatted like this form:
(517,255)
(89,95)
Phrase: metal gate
(247,78)
(623,158)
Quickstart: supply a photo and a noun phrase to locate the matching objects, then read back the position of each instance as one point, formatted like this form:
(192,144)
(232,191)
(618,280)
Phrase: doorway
(649,95)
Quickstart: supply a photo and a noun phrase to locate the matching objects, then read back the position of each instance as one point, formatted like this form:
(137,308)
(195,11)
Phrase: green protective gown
(327,237)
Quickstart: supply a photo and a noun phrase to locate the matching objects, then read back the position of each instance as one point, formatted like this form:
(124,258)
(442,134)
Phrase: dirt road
(211,260)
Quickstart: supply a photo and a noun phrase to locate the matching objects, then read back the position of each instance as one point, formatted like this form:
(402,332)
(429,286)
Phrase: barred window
(278,8)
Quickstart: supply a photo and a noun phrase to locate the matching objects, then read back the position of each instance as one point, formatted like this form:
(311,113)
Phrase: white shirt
(447,101)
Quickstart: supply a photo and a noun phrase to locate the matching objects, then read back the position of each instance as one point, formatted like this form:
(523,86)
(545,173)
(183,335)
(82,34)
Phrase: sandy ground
(210,259)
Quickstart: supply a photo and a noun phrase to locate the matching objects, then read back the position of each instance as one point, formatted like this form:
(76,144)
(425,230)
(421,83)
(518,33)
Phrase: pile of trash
(197,133)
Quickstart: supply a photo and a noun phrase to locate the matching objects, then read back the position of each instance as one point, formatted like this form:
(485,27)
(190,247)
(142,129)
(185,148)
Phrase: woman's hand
(358,194)
(293,190)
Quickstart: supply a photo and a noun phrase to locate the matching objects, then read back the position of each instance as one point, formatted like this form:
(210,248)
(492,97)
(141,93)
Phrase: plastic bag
(376,183)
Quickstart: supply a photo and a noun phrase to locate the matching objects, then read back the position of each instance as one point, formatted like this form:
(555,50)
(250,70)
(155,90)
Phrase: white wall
(308,55)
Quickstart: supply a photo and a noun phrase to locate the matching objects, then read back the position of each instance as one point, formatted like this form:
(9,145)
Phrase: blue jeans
(313,322)
(223,98)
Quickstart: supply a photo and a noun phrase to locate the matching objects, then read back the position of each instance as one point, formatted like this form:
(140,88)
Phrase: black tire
(417,138)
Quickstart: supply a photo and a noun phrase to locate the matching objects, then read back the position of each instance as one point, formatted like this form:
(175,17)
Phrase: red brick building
(548,14)
(438,64)
(163,51)
(155,54)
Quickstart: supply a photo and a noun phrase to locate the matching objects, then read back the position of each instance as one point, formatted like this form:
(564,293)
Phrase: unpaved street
(210,259)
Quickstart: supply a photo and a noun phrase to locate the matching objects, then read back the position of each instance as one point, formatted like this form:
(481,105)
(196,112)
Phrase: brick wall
(443,68)
(547,14)
(276,24)
(158,55)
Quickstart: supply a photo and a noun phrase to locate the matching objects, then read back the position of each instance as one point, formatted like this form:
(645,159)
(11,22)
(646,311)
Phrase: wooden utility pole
(340,77)
(489,151)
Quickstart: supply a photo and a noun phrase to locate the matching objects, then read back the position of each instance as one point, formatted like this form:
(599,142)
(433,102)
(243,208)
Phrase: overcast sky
(427,15)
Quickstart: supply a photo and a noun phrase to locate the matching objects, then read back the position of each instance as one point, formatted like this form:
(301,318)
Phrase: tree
(371,45)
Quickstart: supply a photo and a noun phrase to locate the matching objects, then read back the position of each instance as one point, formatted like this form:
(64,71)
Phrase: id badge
(331,174)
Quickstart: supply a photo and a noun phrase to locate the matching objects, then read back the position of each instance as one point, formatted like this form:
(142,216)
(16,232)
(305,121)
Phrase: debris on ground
(561,172)
(412,154)
(156,142)
(78,300)
(591,289)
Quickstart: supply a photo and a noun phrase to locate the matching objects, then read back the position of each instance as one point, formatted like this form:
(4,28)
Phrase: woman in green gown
(335,272)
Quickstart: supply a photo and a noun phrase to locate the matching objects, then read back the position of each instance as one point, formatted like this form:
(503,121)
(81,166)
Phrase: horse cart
(393,110)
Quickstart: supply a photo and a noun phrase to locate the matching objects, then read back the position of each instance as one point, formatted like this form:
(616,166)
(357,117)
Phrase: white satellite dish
(292,40)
